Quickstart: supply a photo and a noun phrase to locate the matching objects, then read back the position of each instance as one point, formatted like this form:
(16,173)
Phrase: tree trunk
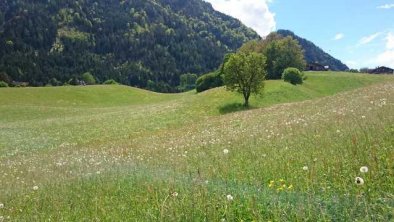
(246,97)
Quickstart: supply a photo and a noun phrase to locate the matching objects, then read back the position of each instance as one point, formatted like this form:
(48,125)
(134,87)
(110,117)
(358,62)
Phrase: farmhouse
(382,70)
(316,67)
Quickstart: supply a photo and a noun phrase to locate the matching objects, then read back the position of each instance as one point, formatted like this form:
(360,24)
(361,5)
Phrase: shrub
(73,82)
(54,82)
(293,76)
(3,84)
(209,81)
(5,78)
(187,82)
(88,78)
(110,82)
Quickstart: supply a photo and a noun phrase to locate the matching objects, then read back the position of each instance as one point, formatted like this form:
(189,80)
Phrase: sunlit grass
(117,153)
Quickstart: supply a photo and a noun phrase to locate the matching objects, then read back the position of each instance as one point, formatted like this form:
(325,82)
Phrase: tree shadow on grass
(233,107)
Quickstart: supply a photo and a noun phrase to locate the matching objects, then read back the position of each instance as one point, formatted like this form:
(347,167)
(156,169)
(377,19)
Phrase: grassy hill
(115,153)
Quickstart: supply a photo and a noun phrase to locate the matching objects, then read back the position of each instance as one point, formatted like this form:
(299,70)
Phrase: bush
(88,78)
(110,82)
(54,82)
(187,82)
(5,78)
(73,82)
(293,76)
(3,84)
(209,81)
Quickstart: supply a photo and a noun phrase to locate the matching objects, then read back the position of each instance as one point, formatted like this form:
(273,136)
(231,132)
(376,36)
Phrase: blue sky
(358,32)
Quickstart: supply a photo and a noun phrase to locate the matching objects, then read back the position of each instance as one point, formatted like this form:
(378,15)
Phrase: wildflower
(364,169)
(305,168)
(1,205)
(290,187)
(282,180)
(230,198)
(314,160)
(338,131)
(225,151)
(98,172)
(35,188)
(175,194)
(363,117)
(271,184)
(359,181)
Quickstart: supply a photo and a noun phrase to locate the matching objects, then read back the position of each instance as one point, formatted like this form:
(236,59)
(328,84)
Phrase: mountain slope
(315,54)
(143,43)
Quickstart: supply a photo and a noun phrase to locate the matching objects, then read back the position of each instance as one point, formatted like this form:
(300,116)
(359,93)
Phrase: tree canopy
(280,53)
(142,43)
(245,73)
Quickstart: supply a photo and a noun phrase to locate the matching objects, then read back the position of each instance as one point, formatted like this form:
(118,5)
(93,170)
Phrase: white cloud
(386,58)
(367,39)
(390,41)
(253,13)
(339,36)
(386,6)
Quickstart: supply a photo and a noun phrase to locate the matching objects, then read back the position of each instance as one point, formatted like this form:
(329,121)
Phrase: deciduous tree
(245,73)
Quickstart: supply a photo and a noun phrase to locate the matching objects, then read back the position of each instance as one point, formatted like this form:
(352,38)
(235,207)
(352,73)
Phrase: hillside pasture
(113,153)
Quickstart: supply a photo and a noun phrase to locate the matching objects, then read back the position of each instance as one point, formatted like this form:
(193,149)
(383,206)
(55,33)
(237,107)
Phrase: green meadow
(116,153)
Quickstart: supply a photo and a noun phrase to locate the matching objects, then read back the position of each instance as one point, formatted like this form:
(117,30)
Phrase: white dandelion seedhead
(226,151)
(175,194)
(35,188)
(364,169)
(305,168)
(1,205)
(230,197)
(359,181)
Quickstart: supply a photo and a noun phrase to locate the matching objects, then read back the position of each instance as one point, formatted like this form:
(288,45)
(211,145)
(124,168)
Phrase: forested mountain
(143,43)
(314,54)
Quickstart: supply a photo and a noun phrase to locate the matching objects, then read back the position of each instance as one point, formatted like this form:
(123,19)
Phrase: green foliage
(88,78)
(5,78)
(187,82)
(245,73)
(3,84)
(282,54)
(365,70)
(110,82)
(159,87)
(293,76)
(74,81)
(55,82)
(353,70)
(209,81)
(128,41)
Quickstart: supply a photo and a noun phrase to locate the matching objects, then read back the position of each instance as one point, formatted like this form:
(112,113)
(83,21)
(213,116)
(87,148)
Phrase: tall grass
(177,157)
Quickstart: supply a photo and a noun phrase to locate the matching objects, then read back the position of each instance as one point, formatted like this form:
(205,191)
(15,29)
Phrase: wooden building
(316,67)
(382,70)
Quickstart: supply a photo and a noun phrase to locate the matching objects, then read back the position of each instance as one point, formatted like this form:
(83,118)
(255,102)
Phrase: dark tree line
(143,43)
